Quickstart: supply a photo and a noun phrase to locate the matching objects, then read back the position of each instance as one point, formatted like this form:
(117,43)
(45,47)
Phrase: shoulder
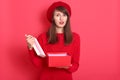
(76,39)
(42,35)
(75,35)
(42,38)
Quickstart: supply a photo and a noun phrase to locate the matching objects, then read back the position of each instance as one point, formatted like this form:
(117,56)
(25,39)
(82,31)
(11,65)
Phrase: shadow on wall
(18,58)
(21,64)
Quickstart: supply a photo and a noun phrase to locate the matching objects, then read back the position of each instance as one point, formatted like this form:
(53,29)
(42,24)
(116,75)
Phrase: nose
(61,17)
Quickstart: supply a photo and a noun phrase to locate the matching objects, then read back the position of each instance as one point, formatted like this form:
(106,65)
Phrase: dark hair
(52,38)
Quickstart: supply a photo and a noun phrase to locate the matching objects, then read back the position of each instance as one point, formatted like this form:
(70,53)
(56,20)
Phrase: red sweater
(72,49)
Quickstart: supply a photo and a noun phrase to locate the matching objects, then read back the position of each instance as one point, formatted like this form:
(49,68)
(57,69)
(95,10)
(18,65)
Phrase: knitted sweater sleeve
(76,55)
(37,61)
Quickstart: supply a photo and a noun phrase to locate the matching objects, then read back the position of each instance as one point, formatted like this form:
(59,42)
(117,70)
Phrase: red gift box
(59,60)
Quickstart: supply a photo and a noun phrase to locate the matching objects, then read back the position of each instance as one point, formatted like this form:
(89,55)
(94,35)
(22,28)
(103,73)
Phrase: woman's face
(60,18)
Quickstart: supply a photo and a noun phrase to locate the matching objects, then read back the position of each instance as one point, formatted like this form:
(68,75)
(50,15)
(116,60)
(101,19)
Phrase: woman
(59,38)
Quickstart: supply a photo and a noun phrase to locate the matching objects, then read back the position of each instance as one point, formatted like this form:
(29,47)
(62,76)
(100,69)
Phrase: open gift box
(59,60)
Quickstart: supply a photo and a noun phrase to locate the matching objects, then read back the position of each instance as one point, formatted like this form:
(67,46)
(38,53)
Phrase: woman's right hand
(30,41)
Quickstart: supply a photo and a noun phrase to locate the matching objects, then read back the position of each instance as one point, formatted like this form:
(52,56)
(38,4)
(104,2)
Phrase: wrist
(30,47)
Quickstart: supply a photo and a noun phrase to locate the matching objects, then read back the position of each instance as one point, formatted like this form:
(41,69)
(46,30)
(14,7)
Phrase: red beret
(54,5)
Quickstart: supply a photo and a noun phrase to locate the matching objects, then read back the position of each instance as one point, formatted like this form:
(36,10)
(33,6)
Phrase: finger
(26,35)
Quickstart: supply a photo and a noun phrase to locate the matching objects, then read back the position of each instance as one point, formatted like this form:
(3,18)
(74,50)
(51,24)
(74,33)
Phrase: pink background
(96,21)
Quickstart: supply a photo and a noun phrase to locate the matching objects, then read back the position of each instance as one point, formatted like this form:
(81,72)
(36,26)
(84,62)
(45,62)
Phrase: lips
(61,23)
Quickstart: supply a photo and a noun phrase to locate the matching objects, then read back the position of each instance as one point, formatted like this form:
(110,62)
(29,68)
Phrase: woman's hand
(65,67)
(30,41)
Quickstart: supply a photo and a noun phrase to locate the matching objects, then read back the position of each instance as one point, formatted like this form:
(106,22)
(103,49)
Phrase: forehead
(57,11)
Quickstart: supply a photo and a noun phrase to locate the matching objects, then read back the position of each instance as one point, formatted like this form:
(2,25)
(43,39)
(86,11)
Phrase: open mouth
(61,23)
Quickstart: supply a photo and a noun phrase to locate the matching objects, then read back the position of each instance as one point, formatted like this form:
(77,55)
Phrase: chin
(61,26)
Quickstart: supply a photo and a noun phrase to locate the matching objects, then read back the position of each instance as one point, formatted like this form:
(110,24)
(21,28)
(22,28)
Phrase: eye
(57,14)
(64,15)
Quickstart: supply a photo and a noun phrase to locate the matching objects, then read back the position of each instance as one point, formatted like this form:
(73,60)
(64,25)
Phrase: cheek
(56,19)
(65,19)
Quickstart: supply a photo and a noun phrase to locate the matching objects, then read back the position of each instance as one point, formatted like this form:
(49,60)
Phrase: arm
(75,56)
(37,61)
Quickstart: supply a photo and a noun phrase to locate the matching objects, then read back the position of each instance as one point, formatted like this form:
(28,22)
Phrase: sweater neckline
(60,33)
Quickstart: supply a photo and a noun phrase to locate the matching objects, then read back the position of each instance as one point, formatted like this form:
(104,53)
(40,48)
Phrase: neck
(59,30)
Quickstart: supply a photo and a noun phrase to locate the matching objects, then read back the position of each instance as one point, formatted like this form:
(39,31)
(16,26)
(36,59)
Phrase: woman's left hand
(63,67)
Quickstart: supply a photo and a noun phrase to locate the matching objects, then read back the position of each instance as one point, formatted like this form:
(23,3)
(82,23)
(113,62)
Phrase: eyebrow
(59,12)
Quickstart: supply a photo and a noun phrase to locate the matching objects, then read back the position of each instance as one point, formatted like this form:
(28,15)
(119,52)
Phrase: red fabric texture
(52,73)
